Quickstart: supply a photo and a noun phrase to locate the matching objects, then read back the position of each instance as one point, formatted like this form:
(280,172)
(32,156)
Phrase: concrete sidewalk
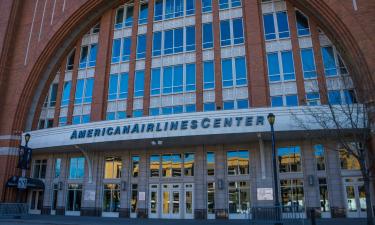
(69,220)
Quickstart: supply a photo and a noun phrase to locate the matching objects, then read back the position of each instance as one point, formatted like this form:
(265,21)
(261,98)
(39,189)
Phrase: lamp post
(271,121)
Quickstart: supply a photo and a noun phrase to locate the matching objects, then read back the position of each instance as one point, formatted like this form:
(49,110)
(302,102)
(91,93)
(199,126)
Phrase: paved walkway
(68,220)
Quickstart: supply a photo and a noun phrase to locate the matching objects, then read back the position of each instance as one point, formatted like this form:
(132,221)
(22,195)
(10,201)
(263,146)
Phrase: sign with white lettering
(142,196)
(264,194)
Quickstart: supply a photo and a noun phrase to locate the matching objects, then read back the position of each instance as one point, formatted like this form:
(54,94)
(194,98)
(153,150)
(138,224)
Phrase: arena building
(158,108)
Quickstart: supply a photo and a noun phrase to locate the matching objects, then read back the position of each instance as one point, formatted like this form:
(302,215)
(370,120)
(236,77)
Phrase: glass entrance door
(153,209)
(36,202)
(171,201)
(355,197)
(189,201)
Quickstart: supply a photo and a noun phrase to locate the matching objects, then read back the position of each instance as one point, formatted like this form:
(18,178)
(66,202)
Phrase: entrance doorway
(171,201)
(355,197)
(36,201)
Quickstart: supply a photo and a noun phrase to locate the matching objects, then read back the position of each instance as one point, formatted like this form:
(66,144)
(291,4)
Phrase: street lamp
(271,121)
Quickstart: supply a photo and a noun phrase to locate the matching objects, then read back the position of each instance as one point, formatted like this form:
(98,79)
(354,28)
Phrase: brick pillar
(217,55)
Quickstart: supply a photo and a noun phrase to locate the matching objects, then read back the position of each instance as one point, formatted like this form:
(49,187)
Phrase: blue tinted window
(154,111)
(241,78)
(158,13)
(169,9)
(168,42)
(224,4)
(79,91)
(93,52)
(126,49)
(190,77)
(121,115)
(273,67)
(334,97)
(178,40)
(112,89)
(76,168)
(156,45)
(88,90)
(139,83)
(155,81)
(141,47)
(288,66)
(350,97)
(242,104)
(208,75)
(312,98)
(227,74)
(190,7)
(308,63)
(83,59)
(85,118)
(236,3)
(228,105)
(238,31)
(138,113)
(76,120)
(66,93)
(167,80)
(111,116)
(143,13)
(209,107)
(269,27)
(63,121)
(206,6)
(282,24)
(178,109)
(129,16)
(225,33)
(207,36)
(190,108)
(166,110)
(276,101)
(124,79)
(179,8)
(302,24)
(116,50)
(190,38)
(291,100)
(178,77)
(119,18)
(329,61)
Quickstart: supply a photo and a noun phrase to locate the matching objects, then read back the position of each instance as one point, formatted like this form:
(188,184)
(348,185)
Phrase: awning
(31,183)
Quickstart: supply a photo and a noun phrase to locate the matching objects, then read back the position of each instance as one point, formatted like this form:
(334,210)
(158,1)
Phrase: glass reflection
(111,198)
(211,197)
(134,198)
(135,166)
(238,162)
(74,196)
(113,167)
(239,197)
(348,161)
(292,195)
(189,164)
(210,163)
(154,165)
(289,159)
(323,191)
(319,156)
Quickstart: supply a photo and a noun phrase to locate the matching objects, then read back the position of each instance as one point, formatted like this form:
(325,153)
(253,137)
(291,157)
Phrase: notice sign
(264,194)
(142,196)
(89,196)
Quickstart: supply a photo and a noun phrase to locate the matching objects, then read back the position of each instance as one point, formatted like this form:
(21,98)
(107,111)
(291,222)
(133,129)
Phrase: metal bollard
(312,217)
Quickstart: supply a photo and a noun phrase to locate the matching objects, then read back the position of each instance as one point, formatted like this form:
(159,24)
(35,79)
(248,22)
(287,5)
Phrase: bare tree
(348,124)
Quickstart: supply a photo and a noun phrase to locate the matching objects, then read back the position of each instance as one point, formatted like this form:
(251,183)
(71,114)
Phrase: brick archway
(355,52)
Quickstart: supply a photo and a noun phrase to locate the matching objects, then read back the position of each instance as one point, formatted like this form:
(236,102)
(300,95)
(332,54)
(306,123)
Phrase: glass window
(57,167)
(209,106)
(242,104)
(225,33)
(83,59)
(126,49)
(129,16)
(190,77)
(137,113)
(343,70)
(112,169)
(143,12)
(208,75)
(139,83)
(348,161)
(76,120)
(319,157)
(116,50)
(308,63)
(313,98)
(110,116)
(124,78)
(154,165)
(158,12)
(273,67)
(238,162)
(292,195)
(189,164)
(276,101)
(53,95)
(168,42)
(269,27)
(171,165)
(93,52)
(228,105)
(282,24)
(350,97)
(111,198)
(288,65)
(119,18)
(208,40)
(63,121)
(154,111)
(210,163)
(155,81)
(40,168)
(329,61)
(77,168)
(323,193)
(227,72)
(169,9)
(239,197)
(289,159)
(223,4)
(211,198)
(302,24)
(334,97)
(178,77)
(190,108)
(156,50)
(178,40)
(190,7)
(240,65)
(178,8)
(112,89)
(141,46)
(190,37)
(79,91)
(178,109)
(291,100)
(134,198)
(74,197)
(167,80)
(236,3)
(167,110)
(238,31)
(135,166)
(70,61)
(206,6)
(89,87)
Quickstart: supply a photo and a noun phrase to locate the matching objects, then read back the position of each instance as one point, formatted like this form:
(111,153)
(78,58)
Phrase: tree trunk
(370,220)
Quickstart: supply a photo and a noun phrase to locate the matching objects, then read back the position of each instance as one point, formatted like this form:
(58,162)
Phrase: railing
(274,214)
(13,209)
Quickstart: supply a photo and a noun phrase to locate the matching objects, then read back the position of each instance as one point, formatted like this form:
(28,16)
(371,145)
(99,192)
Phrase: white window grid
(184,12)
(234,72)
(276,26)
(281,69)
(231,29)
(230,4)
(308,71)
